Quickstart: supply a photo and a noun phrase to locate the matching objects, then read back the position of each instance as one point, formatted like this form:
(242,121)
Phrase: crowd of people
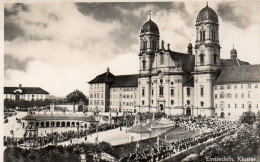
(209,129)
(55,137)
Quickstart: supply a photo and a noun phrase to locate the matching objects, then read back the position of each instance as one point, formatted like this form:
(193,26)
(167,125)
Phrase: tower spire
(207,4)
(150,15)
(233,46)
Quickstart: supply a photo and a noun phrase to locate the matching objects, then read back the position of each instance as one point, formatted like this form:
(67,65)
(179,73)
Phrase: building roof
(239,74)
(59,117)
(232,62)
(207,13)
(25,90)
(106,77)
(139,129)
(125,81)
(150,26)
(187,60)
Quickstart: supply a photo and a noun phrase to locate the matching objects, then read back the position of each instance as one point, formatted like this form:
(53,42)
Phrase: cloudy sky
(62,46)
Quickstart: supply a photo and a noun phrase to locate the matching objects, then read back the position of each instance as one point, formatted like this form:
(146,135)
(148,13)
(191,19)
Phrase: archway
(42,124)
(58,124)
(47,124)
(73,124)
(63,124)
(161,108)
(80,108)
(222,115)
(188,111)
(68,124)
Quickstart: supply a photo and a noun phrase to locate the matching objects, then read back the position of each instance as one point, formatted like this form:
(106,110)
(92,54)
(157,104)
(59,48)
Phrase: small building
(25,93)
(59,121)
(138,132)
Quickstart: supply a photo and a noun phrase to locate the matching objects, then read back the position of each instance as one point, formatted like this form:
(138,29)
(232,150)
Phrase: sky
(62,46)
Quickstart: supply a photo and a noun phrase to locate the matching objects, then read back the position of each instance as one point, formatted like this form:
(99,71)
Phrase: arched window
(188,91)
(161,90)
(201,59)
(215,58)
(144,44)
(143,92)
(161,59)
(188,102)
(213,35)
(201,91)
(152,91)
(202,35)
(172,92)
(201,103)
(144,65)
(172,102)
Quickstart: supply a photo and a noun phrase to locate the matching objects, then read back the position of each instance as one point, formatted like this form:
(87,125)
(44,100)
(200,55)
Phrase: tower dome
(207,13)
(150,27)
(233,53)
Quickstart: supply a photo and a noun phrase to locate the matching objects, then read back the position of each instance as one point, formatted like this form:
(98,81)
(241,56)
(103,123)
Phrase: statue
(162,44)
(168,45)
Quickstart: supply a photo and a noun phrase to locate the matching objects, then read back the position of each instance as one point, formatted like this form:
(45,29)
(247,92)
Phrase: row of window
(120,103)
(144,44)
(123,96)
(203,35)
(249,105)
(96,95)
(202,56)
(124,89)
(229,95)
(28,96)
(161,92)
(96,102)
(222,87)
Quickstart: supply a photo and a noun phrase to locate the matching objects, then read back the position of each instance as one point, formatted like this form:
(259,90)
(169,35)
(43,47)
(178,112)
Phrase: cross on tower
(150,14)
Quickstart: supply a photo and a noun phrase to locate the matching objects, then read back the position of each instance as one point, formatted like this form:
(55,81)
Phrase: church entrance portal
(188,111)
(80,108)
(161,107)
(222,115)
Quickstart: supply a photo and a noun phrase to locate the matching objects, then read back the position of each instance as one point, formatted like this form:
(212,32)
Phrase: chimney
(20,85)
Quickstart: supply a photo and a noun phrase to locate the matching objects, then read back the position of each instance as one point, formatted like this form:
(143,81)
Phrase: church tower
(207,60)
(149,44)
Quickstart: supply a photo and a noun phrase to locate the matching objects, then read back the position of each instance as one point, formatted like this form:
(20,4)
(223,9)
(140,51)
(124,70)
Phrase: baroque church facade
(172,82)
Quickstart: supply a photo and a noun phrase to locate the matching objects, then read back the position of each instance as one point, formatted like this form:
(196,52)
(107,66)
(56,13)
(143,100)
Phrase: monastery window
(216,87)
(143,102)
(161,58)
(171,83)
(172,92)
(127,96)
(188,102)
(131,96)
(222,105)
(152,101)
(201,91)
(222,87)
(94,95)
(229,95)
(172,102)
(228,86)
(91,95)
(188,91)
(102,102)
(152,92)
(201,59)
(249,105)
(143,92)
(236,95)
(201,103)
(144,65)
(216,96)
(235,105)
(215,58)
(249,94)
(228,105)
(222,95)
(161,90)
(243,106)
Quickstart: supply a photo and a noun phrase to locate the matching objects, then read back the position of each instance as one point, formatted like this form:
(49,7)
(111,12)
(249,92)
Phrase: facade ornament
(162,44)
(168,45)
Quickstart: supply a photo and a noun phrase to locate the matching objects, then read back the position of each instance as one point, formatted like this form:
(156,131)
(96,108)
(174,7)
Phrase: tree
(76,96)
(248,117)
